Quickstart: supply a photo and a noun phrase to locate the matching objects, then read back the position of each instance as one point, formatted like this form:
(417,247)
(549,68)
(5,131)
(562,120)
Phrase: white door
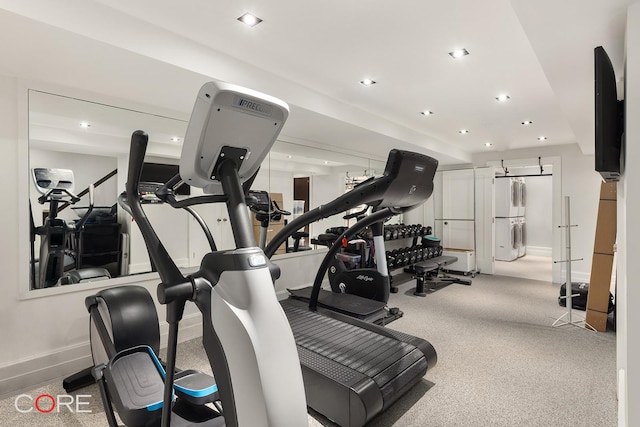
(485,219)
(457,194)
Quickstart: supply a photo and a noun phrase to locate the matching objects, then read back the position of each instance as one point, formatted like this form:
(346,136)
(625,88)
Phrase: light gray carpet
(500,363)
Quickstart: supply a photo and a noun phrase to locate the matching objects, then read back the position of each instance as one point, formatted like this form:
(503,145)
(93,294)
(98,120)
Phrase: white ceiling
(313,55)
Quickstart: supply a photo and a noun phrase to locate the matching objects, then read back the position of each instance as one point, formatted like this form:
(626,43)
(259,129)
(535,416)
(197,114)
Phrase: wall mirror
(70,245)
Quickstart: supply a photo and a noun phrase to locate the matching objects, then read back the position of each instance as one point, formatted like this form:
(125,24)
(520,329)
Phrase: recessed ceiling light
(503,97)
(289,156)
(426,112)
(542,138)
(85,125)
(250,19)
(367,82)
(459,53)
(175,139)
(488,144)
(527,122)
(326,162)
(463,131)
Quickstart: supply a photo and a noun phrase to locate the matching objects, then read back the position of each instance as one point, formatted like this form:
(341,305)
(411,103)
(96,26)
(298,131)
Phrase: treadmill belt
(378,357)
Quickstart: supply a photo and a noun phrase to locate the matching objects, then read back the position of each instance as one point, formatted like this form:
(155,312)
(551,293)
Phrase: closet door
(457,194)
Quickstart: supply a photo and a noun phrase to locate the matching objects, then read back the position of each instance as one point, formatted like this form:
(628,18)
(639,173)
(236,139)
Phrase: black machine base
(352,369)
(351,305)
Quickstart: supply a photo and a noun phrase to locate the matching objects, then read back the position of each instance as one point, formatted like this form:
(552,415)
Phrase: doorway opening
(524,235)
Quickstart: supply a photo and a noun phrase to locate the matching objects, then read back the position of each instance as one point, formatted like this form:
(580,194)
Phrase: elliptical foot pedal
(195,387)
(138,385)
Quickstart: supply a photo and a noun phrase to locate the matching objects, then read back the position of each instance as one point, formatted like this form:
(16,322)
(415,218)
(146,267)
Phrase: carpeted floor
(528,267)
(500,363)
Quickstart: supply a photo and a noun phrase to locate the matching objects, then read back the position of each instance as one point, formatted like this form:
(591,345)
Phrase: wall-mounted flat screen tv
(609,118)
(155,175)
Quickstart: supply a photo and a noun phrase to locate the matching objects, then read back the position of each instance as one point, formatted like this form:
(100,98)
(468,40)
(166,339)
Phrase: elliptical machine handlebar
(80,224)
(169,273)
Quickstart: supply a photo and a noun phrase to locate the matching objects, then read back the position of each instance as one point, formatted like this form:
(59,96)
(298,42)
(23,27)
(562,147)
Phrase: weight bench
(431,271)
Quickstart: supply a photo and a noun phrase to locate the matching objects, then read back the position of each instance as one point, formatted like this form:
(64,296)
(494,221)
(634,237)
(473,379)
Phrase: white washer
(507,196)
(506,239)
(522,226)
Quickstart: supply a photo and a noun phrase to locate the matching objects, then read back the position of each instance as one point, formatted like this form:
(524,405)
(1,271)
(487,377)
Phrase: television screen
(608,118)
(155,175)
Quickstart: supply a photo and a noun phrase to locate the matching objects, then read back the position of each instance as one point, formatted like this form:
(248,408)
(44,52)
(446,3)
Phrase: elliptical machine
(246,336)
(57,264)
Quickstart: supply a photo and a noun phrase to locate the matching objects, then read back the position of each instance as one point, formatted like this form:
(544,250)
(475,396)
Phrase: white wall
(628,244)
(323,189)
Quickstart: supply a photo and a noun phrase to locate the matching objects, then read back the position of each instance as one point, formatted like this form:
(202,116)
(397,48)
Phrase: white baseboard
(622,398)
(30,373)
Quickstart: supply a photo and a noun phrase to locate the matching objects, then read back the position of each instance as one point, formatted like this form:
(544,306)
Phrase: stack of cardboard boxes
(603,258)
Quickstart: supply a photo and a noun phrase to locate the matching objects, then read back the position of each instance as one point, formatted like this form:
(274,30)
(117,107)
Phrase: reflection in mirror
(74,237)
(299,178)
(92,141)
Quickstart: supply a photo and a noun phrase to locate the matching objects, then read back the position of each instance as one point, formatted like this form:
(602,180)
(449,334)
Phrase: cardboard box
(602,263)
(273,229)
(600,283)
(606,227)
(608,191)
(597,320)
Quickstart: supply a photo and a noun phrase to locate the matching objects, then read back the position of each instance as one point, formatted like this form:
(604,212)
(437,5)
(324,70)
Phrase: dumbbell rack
(409,255)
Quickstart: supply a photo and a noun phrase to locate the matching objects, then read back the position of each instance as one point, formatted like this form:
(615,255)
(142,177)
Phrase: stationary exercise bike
(266,211)
(367,276)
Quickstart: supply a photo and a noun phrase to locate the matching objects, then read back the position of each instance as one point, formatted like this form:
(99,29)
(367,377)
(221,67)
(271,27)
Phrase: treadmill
(353,370)
(352,300)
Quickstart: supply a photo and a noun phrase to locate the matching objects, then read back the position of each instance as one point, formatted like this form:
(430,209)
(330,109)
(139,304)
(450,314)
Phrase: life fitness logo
(47,403)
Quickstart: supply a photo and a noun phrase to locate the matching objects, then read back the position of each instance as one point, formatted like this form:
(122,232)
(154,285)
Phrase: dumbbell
(412,256)
(391,261)
(387,232)
(407,256)
(394,232)
(428,252)
(398,256)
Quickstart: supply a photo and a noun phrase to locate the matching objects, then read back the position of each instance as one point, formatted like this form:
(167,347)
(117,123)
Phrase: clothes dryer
(506,239)
(507,197)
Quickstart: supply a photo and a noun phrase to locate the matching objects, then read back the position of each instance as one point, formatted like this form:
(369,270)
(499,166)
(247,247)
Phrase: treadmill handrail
(380,191)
